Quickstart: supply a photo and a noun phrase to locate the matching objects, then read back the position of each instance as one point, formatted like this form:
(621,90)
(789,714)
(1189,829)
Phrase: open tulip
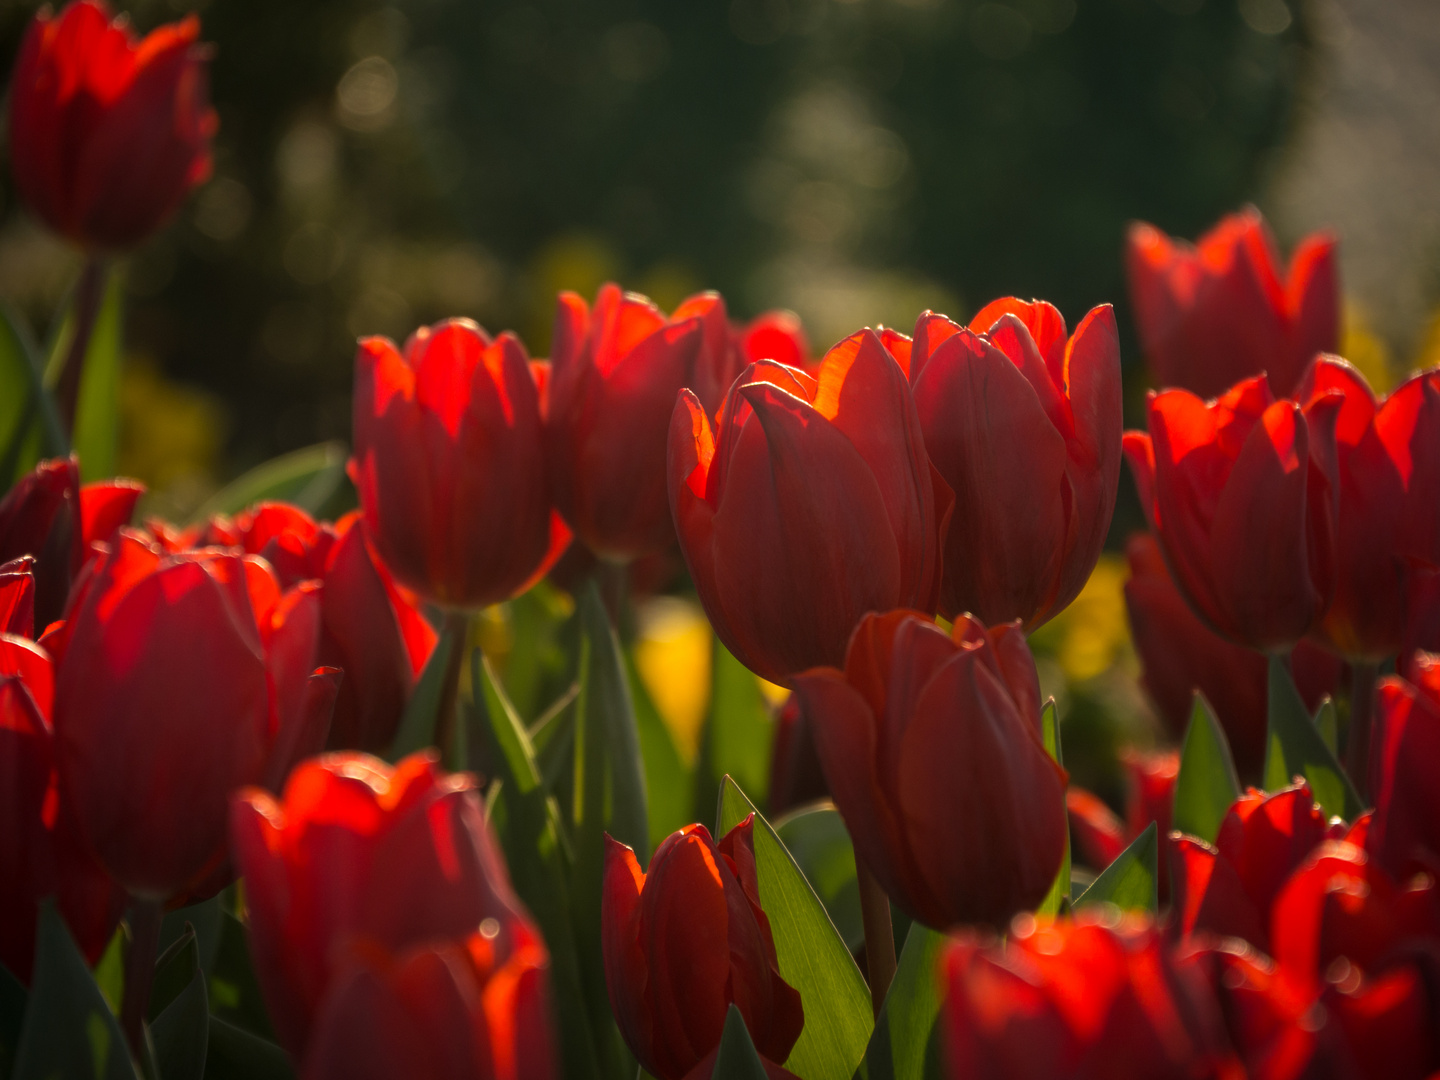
(1404,835)
(180,678)
(449,464)
(1024,425)
(684,942)
(108,134)
(931,744)
(386,937)
(615,371)
(808,502)
(1237,493)
(1213,314)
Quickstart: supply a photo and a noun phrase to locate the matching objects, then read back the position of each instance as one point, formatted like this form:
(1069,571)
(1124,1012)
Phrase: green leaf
(29,424)
(812,956)
(172,972)
(13,997)
(1207,784)
(1060,888)
(1328,724)
(1294,748)
(819,843)
(669,783)
(232,1053)
(738,730)
(204,920)
(537,664)
(308,477)
(902,1030)
(110,969)
(96,437)
(417,726)
(1132,881)
(511,737)
(553,736)
(69,1030)
(181,1030)
(737,1058)
(233,991)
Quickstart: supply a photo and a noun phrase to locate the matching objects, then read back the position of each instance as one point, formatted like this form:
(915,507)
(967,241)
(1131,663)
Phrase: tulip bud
(449,464)
(385,934)
(1216,313)
(932,747)
(107,134)
(684,942)
(1024,425)
(1237,492)
(808,503)
(1404,836)
(180,678)
(615,372)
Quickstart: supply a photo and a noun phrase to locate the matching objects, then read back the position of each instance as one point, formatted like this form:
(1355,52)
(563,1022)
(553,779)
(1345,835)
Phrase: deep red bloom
(1083,998)
(1236,492)
(180,678)
(685,941)
(108,134)
(808,503)
(1179,654)
(1213,314)
(1404,835)
(615,372)
(385,934)
(1024,425)
(1386,485)
(932,747)
(369,628)
(449,464)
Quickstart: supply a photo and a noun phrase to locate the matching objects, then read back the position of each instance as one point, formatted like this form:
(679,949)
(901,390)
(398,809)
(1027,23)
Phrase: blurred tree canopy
(379,167)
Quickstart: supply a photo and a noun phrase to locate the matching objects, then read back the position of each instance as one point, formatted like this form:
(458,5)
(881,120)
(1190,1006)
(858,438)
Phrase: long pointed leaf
(902,1030)
(307,477)
(417,725)
(1132,881)
(181,1031)
(1294,748)
(737,1058)
(1207,783)
(738,728)
(1060,889)
(96,437)
(29,424)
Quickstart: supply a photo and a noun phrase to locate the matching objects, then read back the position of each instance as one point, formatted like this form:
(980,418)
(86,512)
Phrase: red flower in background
(775,335)
(1213,314)
(796,776)
(179,679)
(685,941)
(450,466)
(108,134)
(1386,488)
(1024,425)
(1404,835)
(806,504)
(932,747)
(1100,836)
(1236,492)
(615,371)
(385,934)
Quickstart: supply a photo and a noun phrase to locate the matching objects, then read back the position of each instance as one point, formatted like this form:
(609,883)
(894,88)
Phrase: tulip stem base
(144,917)
(89,292)
(1363,674)
(457,629)
(879,934)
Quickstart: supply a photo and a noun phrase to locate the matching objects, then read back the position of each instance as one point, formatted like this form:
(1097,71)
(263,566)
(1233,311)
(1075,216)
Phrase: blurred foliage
(383,166)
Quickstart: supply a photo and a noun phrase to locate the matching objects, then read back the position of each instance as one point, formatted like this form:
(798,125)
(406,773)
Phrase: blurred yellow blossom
(1091,635)
(673,656)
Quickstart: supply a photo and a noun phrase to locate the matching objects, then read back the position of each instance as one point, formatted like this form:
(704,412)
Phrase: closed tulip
(1387,481)
(615,372)
(449,464)
(1024,425)
(181,678)
(108,134)
(931,744)
(1237,494)
(805,504)
(1213,314)
(686,940)
(1404,836)
(385,934)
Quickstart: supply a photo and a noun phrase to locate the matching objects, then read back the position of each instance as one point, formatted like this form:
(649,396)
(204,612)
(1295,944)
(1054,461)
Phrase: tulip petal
(626,972)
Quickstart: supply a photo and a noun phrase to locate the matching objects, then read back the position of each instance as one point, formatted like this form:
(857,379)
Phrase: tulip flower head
(108,134)
(807,503)
(1404,836)
(1219,312)
(1024,425)
(931,744)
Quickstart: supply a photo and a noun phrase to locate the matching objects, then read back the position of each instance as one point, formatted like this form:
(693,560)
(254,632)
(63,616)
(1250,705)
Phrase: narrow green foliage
(1294,747)
(1207,783)
(1132,881)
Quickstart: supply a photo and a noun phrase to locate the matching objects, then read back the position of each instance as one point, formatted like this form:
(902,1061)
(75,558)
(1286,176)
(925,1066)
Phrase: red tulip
(385,935)
(1082,998)
(1179,654)
(1387,485)
(1024,424)
(449,464)
(1230,888)
(39,853)
(1237,494)
(1100,836)
(684,942)
(180,678)
(616,371)
(932,747)
(775,335)
(17,596)
(1211,315)
(808,503)
(1422,615)
(1405,834)
(108,134)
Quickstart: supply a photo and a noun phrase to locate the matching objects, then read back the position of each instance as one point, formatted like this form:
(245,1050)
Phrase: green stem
(457,629)
(89,294)
(1363,674)
(879,934)
(144,917)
